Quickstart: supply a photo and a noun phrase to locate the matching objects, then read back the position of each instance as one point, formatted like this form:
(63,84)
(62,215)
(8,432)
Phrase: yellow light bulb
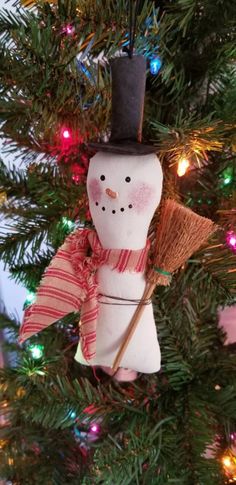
(3,197)
(183,166)
(227,461)
(2,444)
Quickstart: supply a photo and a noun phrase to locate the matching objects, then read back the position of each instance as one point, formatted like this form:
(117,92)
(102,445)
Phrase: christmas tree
(61,423)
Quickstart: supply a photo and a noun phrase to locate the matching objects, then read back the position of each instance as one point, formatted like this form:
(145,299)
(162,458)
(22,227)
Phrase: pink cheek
(94,190)
(141,196)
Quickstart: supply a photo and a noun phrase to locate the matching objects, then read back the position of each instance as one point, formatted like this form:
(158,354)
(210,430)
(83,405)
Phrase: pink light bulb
(94,428)
(232,241)
(69,29)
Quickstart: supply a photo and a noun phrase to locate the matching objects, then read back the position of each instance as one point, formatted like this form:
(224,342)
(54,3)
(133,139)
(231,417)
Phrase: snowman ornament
(124,187)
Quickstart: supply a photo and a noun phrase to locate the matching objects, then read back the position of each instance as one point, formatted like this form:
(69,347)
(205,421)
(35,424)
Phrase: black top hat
(128,92)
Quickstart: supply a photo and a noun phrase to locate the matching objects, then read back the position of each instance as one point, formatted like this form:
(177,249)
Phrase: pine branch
(38,200)
(219,261)
(22,273)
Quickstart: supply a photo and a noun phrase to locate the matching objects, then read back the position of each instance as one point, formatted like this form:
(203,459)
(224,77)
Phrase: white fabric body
(126,229)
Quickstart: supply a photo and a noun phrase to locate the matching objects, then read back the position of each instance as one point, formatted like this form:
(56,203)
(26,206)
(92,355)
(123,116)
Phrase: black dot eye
(102,177)
(128,179)
(130,206)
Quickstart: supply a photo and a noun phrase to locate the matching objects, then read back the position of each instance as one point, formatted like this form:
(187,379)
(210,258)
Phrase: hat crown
(128,93)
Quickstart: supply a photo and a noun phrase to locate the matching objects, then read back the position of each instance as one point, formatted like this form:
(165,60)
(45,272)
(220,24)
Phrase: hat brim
(125,148)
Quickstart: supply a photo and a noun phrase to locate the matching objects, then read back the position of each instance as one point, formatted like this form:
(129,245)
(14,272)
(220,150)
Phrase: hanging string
(133,14)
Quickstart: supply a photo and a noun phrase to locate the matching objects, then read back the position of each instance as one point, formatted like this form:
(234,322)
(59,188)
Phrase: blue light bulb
(155,65)
(72,414)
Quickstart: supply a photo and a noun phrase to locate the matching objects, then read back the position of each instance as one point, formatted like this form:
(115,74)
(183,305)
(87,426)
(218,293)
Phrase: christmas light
(76,178)
(68,224)
(66,134)
(72,414)
(78,171)
(229,464)
(36,351)
(155,65)
(3,197)
(226,461)
(77,432)
(69,29)
(30,298)
(183,166)
(94,428)
(231,240)
(2,444)
(227,176)
(20,392)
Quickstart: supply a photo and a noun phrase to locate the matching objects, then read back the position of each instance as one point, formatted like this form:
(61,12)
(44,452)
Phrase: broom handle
(133,324)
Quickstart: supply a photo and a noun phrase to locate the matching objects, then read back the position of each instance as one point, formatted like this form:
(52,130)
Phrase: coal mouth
(114,211)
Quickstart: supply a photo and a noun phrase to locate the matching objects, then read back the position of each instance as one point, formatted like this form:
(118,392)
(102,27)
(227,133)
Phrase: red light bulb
(66,134)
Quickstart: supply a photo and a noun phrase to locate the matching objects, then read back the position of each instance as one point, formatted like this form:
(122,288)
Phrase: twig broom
(180,233)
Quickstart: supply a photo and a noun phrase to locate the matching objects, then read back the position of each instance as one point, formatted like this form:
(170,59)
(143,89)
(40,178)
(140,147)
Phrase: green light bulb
(227,180)
(36,351)
(68,224)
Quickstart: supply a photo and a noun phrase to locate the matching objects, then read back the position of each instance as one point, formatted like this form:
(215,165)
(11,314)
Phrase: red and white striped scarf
(70,285)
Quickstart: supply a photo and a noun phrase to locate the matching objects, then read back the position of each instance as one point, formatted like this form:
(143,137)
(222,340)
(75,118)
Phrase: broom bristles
(179,234)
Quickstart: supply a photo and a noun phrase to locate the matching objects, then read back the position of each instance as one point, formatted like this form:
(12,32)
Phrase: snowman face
(124,192)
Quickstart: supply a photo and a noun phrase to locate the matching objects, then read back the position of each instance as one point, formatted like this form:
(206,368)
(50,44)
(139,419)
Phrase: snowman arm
(60,291)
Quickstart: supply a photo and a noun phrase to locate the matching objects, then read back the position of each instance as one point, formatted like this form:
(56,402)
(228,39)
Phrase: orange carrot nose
(111,193)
